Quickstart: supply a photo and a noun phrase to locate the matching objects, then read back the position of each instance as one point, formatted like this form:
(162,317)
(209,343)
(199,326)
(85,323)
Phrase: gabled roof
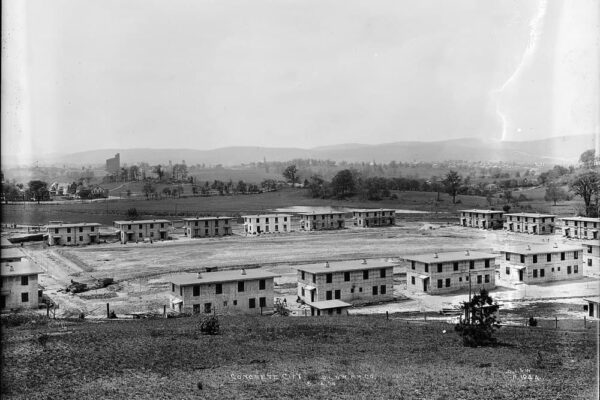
(536,248)
(190,278)
(343,266)
(451,256)
(19,268)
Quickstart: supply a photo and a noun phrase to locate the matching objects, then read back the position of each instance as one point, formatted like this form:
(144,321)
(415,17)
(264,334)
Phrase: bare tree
(452,182)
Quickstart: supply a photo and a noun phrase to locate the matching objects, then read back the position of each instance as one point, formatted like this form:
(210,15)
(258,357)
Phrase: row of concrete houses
(19,287)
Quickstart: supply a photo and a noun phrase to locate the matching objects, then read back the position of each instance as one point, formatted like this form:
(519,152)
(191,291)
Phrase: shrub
(132,213)
(210,325)
(532,321)
(479,328)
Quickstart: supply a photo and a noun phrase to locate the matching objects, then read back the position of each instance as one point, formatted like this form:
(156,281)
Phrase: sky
(91,74)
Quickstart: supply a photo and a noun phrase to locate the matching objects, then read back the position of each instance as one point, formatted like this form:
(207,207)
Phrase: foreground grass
(272,357)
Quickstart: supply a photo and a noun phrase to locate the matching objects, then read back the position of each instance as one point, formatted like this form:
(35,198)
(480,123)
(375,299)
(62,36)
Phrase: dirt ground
(141,271)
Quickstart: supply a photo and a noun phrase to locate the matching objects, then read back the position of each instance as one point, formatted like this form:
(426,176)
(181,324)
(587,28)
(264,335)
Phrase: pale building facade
(537,224)
(580,227)
(134,231)
(322,221)
(538,263)
(365,218)
(440,273)
(19,288)
(356,281)
(207,226)
(225,292)
(484,219)
(267,223)
(591,259)
(73,234)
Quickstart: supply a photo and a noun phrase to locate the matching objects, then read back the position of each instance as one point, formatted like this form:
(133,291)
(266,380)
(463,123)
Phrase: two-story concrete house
(247,291)
(317,221)
(365,218)
(19,281)
(537,263)
(73,234)
(450,271)
(537,224)
(207,226)
(484,219)
(267,223)
(133,231)
(356,281)
(591,259)
(580,227)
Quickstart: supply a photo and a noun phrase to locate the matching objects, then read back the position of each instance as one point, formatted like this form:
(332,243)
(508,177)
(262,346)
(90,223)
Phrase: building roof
(432,258)
(24,267)
(73,225)
(9,253)
(483,211)
(143,221)
(372,209)
(322,213)
(190,278)
(205,218)
(539,248)
(266,215)
(534,215)
(328,304)
(593,299)
(584,219)
(6,243)
(339,266)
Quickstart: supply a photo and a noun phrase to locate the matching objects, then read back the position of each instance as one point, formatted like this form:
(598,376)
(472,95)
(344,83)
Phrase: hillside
(557,150)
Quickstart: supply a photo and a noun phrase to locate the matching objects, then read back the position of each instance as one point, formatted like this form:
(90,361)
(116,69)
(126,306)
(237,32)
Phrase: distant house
(19,278)
(7,244)
(98,191)
(246,291)
(267,223)
(328,307)
(133,231)
(593,307)
(73,234)
(537,263)
(59,188)
(580,227)
(591,259)
(484,219)
(352,282)
(321,221)
(207,226)
(537,224)
(450,271)
(365,218)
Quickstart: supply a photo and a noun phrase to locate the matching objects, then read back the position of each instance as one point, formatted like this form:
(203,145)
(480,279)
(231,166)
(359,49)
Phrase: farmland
(363,357)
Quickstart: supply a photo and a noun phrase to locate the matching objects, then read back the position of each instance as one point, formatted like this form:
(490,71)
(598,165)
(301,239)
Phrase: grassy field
(356,357)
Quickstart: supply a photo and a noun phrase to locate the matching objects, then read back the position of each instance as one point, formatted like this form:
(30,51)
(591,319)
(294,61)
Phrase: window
(276,219)
(162,225)
(303,293)
(80,229)
(360,290)
(439,267)
(507,256)
(471,264)
(140,226)
(128,227)
(522,259)
(314,278)
(225,303)
(235,302)
(141,235)
(542,273)
(196,308)
(262,302)
(251,303)
(302,274)
(219,288)
(589,262)
(337,294)
(487,263)
(455,266)
(589,249)
(412,265)
(68,230)
(575,269)
(548,257)
(479,278)
(196,290)
(284,219)
(24,280)
(346,276)
(328,295)
(69,239)
(383,289)
(426,267)
(151,226)
(412,280)
(558,269)
(535,258)
(467,278)
(366,274)
(266,220)
(440,283)
(262,284)
(562,256)
(206,232)
(535,273)
(447,282)
(576,255)
(328,278)
(172,287)
(240,286)
(55,230)
(507,270)
(24,297)
(568,269)
(181,290)
(382,273)
(375,290)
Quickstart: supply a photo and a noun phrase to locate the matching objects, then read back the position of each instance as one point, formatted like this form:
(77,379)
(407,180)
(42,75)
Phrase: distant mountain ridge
(555,150)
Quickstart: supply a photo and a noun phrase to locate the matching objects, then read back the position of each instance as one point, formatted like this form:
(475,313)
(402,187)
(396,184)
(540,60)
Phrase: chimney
(435,255)
(364,261)
(243,272)
(198,275)
(12,268)
(555,245)
(528,247)
(467,253)
(326,264)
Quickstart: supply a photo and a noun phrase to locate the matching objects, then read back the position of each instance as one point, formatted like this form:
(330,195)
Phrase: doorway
(591,309)
(520,275)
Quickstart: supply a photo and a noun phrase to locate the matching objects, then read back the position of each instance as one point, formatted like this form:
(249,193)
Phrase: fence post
(261,311)
(555,322)
(164,311)
(584,322)
(387,315)
(107,311)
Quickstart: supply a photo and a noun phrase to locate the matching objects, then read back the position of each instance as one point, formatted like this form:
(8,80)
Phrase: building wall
(322,221)
(459,278)
(143,231)
(357,289)
(538,226)
(12,290)
(208,228)
(580,229)
(481,220)
(225,302)
(374,218)
(267,224)
(73,236)
(113,164)
(554,270)
(591,260)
